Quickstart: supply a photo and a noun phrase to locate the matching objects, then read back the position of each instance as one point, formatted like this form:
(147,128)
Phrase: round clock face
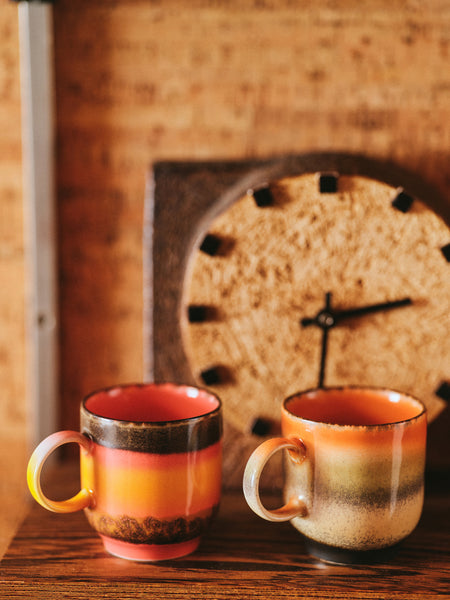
(262,274)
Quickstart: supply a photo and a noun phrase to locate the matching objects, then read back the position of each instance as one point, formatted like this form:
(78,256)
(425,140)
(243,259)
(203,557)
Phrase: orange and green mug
(151,468)
(354,471)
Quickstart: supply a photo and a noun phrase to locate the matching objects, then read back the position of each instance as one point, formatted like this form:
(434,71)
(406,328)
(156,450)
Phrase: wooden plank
(12,270)
(13,406)
(54,556)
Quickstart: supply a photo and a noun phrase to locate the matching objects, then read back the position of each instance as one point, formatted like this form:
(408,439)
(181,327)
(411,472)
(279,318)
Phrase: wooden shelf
(55,556)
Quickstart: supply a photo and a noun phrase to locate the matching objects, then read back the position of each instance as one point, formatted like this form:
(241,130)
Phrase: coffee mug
(354,471)
(150,463)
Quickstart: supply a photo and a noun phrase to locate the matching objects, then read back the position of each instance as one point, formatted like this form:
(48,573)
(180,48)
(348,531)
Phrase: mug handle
(294,507)
(84,498)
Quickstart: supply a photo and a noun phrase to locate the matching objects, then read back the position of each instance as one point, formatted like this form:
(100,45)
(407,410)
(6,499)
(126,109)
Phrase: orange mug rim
(338,388)
(162,423)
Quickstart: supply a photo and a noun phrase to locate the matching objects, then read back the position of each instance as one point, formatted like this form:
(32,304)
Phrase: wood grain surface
(13,285)
(55,556)
(12,260)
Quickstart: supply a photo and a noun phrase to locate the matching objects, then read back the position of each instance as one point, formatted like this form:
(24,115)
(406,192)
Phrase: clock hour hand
(327,317)
(324,350)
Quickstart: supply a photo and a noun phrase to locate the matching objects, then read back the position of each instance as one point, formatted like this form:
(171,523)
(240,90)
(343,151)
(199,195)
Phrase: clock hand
(323,355)
(327,318)
(340,315)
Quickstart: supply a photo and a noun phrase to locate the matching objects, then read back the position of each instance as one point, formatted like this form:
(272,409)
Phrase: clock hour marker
(211,376)
(261,426)
(200,313)
(211,244)
(328,183)
(263,196)
(197,313)
(402,201)
(443,391)
(446,252)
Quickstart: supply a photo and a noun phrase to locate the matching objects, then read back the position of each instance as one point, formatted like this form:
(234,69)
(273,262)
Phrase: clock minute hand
(340,315)
(328,317)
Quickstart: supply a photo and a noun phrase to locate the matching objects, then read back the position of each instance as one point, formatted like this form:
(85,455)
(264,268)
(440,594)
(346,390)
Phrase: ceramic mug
(150,462)
(354,471)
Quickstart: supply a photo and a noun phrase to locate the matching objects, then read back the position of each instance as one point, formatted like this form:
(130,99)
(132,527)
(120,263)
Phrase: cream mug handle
(295,506)
(84,498)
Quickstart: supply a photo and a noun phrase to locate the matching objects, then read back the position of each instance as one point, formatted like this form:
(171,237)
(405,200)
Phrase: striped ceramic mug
(354,471)
(150,461)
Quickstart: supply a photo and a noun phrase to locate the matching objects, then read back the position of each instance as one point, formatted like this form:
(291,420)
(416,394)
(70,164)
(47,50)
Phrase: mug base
(148,552)
(343,556)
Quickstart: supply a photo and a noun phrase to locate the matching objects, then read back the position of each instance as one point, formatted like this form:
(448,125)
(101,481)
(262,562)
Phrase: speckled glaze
(150,465)
(353,490)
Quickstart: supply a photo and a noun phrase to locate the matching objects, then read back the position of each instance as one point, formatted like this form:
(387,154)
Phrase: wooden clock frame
(183,198)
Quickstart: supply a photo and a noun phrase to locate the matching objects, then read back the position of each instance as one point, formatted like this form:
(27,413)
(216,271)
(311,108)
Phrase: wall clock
(275,276)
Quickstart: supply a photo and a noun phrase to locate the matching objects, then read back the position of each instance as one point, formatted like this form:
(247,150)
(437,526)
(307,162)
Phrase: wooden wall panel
(12,274)
(13,405)
(138,81)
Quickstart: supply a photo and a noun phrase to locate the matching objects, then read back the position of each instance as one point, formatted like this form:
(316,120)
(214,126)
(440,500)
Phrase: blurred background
(142,80)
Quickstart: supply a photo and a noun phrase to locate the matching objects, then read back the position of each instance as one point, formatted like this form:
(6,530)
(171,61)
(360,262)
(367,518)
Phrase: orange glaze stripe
(158,485)
(412,436)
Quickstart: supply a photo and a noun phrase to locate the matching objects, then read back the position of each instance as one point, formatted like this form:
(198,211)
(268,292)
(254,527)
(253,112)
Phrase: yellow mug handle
(295,506)
(84,498)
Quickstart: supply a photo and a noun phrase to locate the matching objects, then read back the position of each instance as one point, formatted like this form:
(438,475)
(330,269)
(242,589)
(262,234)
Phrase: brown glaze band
(151,530)
(376,498)
(186,435)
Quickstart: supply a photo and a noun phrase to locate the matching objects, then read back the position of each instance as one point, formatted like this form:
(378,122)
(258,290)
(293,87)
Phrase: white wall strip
(37,86)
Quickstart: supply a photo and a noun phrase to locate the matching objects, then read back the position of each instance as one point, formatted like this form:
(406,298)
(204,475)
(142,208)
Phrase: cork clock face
(317,279)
